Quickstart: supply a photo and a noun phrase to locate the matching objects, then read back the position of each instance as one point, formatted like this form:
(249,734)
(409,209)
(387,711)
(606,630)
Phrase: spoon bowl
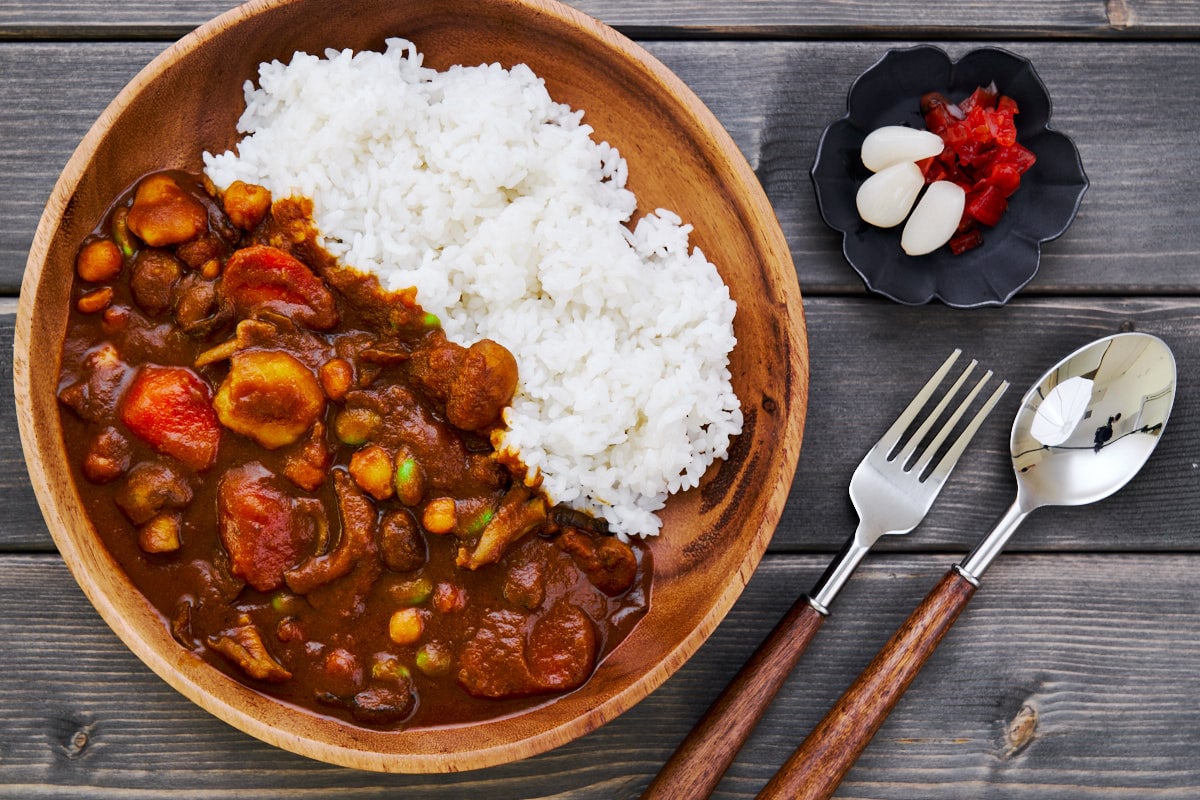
(1087,427)
(1084,430)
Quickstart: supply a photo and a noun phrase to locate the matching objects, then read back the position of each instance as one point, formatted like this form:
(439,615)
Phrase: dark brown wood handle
(698,764)
(818,766)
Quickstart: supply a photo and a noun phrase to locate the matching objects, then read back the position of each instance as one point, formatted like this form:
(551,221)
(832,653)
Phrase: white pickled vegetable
(893,144)
(885,198)
(935,218)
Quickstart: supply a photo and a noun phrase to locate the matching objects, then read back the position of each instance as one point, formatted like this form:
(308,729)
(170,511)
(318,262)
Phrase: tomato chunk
(170,408)
(261,276)
(262,528)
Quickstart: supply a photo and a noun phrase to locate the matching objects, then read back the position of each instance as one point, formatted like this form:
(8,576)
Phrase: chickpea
(448,598)
(99,260)
(160,534)
(164,214)
(371,468)
(116,318)
(95,300)
(336,378)
(440,515)
(406,626)
(246,204)
(356,425)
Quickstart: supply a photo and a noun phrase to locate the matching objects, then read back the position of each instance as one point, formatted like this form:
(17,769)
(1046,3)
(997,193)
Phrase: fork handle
(817,767)
(698,764)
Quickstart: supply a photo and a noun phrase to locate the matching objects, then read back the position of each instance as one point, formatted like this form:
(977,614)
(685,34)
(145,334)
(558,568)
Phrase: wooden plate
(188,100)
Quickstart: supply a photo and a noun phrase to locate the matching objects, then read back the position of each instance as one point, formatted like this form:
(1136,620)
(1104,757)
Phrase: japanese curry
(295,468)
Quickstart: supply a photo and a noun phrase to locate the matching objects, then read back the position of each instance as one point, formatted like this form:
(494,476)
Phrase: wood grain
(1071,677)
(697,765)
(1098,681)
(778,18)
(1135,233)
(816,769)
(858,383)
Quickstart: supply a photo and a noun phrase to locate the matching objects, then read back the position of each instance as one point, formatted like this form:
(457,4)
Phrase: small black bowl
(1041,209)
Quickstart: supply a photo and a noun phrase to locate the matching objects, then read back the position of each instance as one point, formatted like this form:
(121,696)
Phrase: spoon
(1082,432)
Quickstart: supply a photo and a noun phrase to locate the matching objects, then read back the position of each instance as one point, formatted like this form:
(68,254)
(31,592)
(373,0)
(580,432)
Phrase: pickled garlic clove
(894,144)
(935,218)
(885,198)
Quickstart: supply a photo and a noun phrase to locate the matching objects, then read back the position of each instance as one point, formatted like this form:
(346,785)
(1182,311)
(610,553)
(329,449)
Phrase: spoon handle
(698,764)
(817,767)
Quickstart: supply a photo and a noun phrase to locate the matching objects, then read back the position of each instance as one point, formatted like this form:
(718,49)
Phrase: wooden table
(1076,671)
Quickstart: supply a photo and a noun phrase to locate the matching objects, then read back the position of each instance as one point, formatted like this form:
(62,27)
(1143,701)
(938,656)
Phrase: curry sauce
(295,467)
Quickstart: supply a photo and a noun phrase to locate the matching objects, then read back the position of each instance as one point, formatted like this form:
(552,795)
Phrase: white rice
(476,187)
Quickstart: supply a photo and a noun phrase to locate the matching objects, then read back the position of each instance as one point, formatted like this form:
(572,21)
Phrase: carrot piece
(170,408)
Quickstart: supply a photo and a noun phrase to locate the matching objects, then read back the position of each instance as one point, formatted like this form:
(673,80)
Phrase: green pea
(410,480)
(412,593)
(285,603)
(388,667)
(433,659)
(120,231)
(480,521)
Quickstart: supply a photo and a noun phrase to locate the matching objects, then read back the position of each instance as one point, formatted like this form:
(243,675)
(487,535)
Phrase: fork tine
(946,464)
(932,448)
(891,438)
(917,437)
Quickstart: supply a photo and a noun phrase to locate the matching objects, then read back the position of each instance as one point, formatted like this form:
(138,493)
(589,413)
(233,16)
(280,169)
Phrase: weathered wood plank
(1135,233)
(867,359)
(1052,686)
(144,18)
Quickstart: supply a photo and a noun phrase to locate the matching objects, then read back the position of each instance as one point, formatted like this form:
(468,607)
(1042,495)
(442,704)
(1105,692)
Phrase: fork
(892,490)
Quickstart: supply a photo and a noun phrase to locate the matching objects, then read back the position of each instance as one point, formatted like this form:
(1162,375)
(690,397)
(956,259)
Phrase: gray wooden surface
(1073,675)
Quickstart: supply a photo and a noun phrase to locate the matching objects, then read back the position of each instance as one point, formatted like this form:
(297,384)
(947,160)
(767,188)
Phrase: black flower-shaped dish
(889,94)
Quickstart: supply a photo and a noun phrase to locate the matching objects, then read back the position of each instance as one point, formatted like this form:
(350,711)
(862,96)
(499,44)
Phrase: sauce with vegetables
(295,468)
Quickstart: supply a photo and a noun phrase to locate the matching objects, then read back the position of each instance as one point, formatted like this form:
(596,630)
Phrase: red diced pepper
(1018,156)
(170,408)
(1004,177)
(931,100)
(965,241)
(941,116)
(982,97)
(977,123)
(1001,128)
(987,205)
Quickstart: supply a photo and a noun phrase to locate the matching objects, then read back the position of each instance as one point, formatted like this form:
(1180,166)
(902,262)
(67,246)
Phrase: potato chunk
(270,397)
(246,204)
(164,214)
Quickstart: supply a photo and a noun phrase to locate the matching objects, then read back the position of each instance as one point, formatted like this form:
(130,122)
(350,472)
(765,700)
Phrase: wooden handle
(818,766)
(698,764)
